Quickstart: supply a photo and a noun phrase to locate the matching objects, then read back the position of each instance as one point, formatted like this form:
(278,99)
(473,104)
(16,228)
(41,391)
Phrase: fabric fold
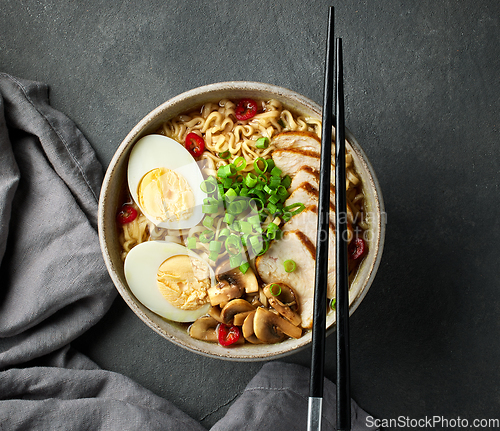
(82,396)
(54,281)
(276,399)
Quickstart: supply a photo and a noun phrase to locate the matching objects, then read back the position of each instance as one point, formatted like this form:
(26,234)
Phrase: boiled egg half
(164,181)
(161,274)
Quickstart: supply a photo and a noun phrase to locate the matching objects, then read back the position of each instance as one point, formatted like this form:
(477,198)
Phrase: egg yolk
(184,281)
(165,195)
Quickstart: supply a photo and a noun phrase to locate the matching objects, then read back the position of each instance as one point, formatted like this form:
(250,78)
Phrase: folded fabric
(55,286)
(276,399)
(54,283)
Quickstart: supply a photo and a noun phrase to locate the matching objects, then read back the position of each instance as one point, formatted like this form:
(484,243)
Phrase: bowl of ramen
(208,220)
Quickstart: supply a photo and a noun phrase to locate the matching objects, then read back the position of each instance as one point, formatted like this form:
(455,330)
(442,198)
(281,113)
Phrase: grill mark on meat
(311,248)
(315,174)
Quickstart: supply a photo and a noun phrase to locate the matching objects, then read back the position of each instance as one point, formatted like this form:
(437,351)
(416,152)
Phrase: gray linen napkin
(54,286)
(276,399)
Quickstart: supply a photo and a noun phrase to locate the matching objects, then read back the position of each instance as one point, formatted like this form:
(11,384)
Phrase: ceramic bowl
(116,176)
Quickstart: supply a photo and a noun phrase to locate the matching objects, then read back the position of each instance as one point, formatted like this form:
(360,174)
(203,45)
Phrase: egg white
(141,267)
(156,151)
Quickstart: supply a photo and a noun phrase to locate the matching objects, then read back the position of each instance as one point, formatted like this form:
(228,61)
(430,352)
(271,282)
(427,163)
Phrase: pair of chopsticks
(342,285)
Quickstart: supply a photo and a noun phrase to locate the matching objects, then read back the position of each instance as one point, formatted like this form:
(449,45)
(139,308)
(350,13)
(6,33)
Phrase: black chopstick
(342,282)
(321,275)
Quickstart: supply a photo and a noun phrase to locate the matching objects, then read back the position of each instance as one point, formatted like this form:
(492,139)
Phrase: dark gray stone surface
(422,81)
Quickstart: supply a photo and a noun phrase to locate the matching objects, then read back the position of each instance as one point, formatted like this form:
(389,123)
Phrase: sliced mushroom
(251,284)
(271,328)
(255,301)
(283,299)
(223,292)
(247,329)
(215,313)
(239,318)
(246,281)
(233,308)
(263,298)
(204,328)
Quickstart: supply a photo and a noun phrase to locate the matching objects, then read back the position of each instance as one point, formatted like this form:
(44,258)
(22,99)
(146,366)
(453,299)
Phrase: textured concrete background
(422,81)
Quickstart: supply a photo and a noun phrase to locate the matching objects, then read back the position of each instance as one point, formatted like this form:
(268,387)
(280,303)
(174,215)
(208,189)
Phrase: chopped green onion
(235,261)
(213,256)
(233,245)
(292,210)
(220,191)
(278,293)
(244,239)
(257,228)
(191,243)
(273,231)
(333,304)
(209,185)
(208,222)
(295,208)
(270,165)
(256,204)
(230,194)
(261,195)
(299,208)
(268,190)
(262,143)
(245,192)
(244,267)
(260,165)
(236,207)
(245,227)
(282,192)
(225,155)
(265,248)
(251,180)
(226,171)
(274,182)
(209,209)
(272,227)
(276,172)
(290,265)
(215,246)
(256,243)
(262,180)
(207,236)
(229,218)
(286,181)
(227,183)
(273,209)
(282,123)
(240,163)
(224,233)
(274,199)
(255,219)
(210,205)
